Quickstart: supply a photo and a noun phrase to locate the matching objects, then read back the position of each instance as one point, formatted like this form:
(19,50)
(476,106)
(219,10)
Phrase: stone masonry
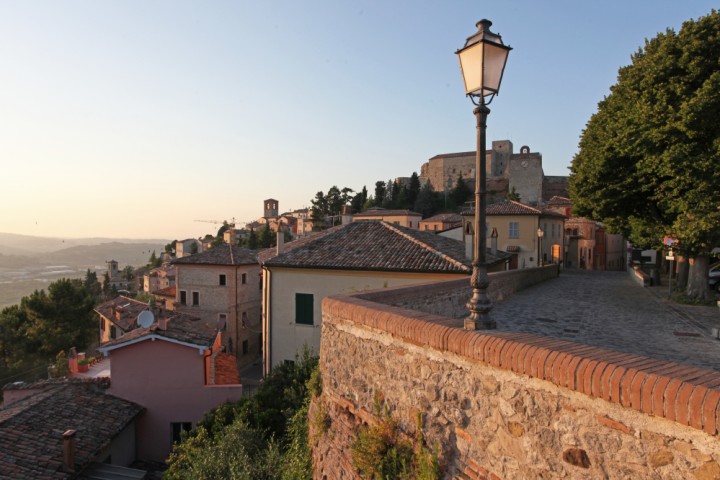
(507,404)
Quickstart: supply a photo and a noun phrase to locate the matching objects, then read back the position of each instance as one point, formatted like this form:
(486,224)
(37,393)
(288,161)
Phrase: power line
(3,380)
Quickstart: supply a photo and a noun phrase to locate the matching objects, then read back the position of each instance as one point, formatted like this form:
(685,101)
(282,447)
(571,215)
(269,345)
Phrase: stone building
(222,285)
(517,228)
(404,218)
(507,171)
(588,245)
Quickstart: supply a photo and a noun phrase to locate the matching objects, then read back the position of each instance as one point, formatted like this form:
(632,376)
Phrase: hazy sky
(135,118)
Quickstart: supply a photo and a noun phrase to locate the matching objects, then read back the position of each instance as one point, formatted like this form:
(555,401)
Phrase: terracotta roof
(31,429)
(558,201)
(167,292)
(122,311)
(376,246)
(267,253)
(511,207)
(444,217)
(381,212)
(181,328)
(221,255)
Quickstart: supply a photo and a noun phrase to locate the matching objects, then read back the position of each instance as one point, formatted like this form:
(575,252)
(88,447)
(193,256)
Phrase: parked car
(714,277)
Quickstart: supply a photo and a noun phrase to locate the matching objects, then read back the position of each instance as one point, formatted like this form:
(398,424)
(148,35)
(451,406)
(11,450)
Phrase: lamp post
(482,62)
(540,234)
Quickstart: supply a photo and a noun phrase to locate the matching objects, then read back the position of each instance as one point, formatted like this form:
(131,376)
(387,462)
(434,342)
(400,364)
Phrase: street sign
(670,241)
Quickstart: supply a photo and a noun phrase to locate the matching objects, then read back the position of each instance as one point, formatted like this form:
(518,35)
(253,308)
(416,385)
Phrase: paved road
(610,310)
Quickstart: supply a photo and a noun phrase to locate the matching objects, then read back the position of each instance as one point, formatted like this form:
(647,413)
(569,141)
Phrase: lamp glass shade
(482,62)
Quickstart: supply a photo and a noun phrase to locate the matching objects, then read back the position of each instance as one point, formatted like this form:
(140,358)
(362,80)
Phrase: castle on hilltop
(507,172)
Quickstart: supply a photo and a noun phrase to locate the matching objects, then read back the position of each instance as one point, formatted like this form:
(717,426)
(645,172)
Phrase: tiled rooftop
(376,246)
(444,217)
(180,327)
(220,255)
(558,201)
(122,311)
(381,212)
(167,291)
(511,207)
(31,429)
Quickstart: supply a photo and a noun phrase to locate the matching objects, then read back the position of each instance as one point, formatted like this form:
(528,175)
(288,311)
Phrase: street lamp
(482,62)
(541,234)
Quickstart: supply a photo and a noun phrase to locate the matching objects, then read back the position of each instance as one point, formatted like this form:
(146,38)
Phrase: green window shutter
(304,308)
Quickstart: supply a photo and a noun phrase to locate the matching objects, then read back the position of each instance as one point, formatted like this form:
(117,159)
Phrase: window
(304,308)
(243,278)
(113,331)
(183,297)
(514,230)
(222,321)
(179,427)
(196,298)
(245,347)
(223,280)
(244,319)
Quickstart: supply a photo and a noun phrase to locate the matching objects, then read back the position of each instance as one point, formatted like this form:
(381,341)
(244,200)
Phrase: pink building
(177,370)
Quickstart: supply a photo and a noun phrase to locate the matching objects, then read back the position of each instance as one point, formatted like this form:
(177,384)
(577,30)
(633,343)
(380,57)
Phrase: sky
(134,119)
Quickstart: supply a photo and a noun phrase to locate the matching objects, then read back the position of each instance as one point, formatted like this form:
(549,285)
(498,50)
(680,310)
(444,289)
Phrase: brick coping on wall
(685,394)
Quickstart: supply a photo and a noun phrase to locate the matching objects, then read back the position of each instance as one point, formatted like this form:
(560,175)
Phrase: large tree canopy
(648,159)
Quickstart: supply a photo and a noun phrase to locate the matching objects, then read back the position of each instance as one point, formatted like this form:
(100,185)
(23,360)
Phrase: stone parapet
(510,404)
(449,298)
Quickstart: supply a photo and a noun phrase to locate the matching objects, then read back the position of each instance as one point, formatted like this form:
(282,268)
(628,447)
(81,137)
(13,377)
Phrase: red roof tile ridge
(448,258)
(522,205)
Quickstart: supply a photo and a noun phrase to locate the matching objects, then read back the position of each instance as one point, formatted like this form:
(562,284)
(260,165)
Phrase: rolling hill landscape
(28,263)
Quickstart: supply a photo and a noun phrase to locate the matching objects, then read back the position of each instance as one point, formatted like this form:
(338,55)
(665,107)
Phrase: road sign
(670,241)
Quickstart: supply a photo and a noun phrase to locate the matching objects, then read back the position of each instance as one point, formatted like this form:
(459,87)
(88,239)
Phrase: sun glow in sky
(134,118)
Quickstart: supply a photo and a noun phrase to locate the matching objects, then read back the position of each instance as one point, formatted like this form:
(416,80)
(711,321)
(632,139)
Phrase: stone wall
(449,298)
(509,405)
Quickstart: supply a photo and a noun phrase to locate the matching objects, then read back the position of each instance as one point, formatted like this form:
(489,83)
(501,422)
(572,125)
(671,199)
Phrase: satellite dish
(146,318)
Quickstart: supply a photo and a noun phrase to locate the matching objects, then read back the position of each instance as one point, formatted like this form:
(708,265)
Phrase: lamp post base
(482,324)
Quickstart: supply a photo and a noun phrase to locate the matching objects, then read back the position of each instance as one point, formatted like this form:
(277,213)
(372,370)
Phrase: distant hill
(14,244)
(90,256)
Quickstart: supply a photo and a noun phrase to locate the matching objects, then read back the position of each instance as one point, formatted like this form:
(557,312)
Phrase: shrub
(381,452)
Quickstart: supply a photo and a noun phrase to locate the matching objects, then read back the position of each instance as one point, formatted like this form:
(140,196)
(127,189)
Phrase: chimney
(280,240)
(69,450)
(162,322)
(346,214)
(493,241)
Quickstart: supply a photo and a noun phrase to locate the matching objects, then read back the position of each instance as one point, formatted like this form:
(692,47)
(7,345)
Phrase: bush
(381,452)
(260,437)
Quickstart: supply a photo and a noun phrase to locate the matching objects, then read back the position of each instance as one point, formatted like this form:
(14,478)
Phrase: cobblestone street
(610,310)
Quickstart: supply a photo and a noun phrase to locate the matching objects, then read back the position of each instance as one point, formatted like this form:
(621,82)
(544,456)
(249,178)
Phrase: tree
(266,237)
(426,201)
(647,164)
(319,208)
(413,189)
(59,319)
(107,287)
(170,247)
(128,273)
(154,261)
(92,285)
(513,195)
(334,201)
(461,192)
(263,436)
(379,193)
(252,242)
